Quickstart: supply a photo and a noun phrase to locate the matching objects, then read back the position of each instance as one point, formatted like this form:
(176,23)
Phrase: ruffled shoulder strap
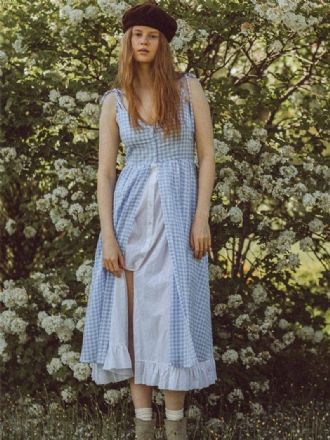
(186,76)
(118,93)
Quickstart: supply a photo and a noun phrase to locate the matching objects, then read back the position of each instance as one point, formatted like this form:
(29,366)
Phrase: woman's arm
(112,257)
(200,237)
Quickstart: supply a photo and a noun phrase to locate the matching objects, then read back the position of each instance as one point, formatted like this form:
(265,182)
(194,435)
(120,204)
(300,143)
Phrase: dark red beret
(150,15)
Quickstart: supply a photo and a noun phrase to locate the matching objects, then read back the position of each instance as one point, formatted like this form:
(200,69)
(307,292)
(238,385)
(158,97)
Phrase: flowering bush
(263,65)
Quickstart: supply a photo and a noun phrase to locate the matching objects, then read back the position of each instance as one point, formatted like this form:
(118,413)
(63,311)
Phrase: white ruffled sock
(144,414)
(174,415)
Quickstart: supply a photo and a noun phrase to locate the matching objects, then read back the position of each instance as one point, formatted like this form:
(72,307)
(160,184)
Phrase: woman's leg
(174,400)
(141,394)
(175,422)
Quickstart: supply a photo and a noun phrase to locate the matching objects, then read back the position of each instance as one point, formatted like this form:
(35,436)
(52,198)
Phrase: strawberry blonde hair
(167,93)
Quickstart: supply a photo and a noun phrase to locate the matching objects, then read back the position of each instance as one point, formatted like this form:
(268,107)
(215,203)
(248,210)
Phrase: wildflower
(194,412)
(241,320)
(10,226)
(91,112)
(68,394)
(112,397)
(235,395)
(29,232)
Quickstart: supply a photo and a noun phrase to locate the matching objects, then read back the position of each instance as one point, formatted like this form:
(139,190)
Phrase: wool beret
(150,15)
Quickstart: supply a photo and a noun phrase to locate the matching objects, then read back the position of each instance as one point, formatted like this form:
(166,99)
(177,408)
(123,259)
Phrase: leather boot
(145,430)
(176,430)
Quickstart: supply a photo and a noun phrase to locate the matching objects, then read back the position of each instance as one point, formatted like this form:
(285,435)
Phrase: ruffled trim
(164,377)
(167,377)
(117,366)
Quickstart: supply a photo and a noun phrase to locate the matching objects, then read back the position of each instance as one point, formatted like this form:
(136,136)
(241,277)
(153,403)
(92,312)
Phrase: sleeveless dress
(154,206)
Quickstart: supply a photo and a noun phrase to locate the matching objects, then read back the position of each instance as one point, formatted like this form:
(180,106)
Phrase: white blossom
(259,386)
(230,133)
(242,320)
(220,309)
(230,356)
(67,102)
(83,96)
(8,154)
(18,44)
(221,148)
(81,371)
(76,16)
(13,297)
(193,412)
(253,146)
(29,231)
(69,303)
(316,226)
(3,58)
(54,365)
(10,226)
(259,294)
(295,22)
(235,301)
(283,324)
(276,46)
(308,200)
(65,11)
(112,397)
(306,244)
(68,394)
(235,214)
(288,338)
(91,112)
(112,8)
(215,272)
(183,36)
(235,395)
(91,12)
(218,213)
(54,95)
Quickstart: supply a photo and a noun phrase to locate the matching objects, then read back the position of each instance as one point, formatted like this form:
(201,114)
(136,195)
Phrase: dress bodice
(147,144)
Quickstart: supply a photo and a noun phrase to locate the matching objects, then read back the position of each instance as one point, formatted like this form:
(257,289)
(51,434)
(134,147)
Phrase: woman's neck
(143,78)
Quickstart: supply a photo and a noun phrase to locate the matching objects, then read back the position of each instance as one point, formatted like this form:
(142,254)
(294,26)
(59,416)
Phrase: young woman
(148,315)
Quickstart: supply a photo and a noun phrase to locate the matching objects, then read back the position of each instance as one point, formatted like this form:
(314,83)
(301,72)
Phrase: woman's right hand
(112,258)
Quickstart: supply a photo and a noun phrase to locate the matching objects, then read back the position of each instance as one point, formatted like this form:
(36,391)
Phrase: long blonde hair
(166,91)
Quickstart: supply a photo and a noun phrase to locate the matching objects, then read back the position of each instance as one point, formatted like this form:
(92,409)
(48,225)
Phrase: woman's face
(145,42)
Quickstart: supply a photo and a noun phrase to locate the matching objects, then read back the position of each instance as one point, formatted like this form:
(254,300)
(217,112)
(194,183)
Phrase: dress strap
(190,98)
(118,93)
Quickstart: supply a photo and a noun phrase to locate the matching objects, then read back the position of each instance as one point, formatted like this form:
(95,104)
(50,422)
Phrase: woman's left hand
(200,237)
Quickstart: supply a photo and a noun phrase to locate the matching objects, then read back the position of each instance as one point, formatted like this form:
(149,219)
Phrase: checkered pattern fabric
(190,320)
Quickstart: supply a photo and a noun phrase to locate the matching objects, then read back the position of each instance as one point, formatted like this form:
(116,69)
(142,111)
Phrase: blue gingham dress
(154,205)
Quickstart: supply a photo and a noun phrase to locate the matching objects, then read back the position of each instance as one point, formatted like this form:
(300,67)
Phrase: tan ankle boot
(176,430)
(145,430)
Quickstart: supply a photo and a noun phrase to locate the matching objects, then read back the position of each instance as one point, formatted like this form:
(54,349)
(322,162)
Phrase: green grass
(40,419)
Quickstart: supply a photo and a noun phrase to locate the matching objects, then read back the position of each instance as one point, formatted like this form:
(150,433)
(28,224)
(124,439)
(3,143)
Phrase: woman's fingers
(201,246)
